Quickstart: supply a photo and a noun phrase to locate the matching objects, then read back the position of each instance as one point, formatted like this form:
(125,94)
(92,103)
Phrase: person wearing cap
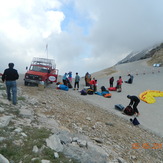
(10,76)
(134,100)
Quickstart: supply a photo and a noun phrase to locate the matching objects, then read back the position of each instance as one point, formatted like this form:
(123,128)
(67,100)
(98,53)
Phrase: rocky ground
(122,141)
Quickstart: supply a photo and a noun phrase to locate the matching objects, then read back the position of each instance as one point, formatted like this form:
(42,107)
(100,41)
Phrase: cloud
(24,27)
(82,36)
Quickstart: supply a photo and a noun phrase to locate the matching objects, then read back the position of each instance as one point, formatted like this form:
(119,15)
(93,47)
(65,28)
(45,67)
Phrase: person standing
(64,79)
(119,84)
(95,86)
(77,79)
(70,77)
(134,100)
(10,76)
(87,79)
(111,80)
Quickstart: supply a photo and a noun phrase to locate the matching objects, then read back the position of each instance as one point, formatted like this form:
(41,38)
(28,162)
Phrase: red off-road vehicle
(41,70)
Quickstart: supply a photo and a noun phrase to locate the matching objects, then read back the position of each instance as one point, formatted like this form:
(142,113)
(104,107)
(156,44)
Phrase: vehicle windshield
(39,69)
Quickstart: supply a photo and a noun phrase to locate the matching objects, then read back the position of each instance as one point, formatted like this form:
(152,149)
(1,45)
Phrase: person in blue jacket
(77,79)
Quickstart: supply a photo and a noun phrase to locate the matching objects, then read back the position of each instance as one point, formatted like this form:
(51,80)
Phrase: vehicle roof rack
(44,62)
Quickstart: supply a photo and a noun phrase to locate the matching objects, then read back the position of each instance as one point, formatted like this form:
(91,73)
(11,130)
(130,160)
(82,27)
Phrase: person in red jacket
(119,84)
(93,84)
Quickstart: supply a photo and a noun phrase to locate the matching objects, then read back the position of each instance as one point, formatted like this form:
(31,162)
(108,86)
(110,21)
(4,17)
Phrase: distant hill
(155,53)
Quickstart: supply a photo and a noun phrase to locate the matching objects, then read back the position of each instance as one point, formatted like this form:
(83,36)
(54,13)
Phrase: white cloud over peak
(82,35)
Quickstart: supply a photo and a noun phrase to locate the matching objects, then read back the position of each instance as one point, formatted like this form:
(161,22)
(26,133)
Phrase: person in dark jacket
(111,80)
(134,100)
(64,79)
(87,79)
(10,76)
(130,80)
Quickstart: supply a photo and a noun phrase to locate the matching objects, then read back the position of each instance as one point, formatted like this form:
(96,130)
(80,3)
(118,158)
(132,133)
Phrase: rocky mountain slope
(56,126)
(152,55)
(155,53)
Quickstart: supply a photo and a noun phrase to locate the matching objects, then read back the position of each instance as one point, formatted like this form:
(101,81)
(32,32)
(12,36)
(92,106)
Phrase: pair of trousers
(135,106)
(76,83)
(11,86)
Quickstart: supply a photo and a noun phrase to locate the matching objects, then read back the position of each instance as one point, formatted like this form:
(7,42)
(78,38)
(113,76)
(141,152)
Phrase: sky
(80,35)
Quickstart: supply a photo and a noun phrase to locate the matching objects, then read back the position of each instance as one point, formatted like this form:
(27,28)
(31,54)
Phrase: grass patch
(22,151)
(21,98)
(2,88)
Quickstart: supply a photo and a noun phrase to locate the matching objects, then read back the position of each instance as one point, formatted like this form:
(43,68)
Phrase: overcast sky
(82,35)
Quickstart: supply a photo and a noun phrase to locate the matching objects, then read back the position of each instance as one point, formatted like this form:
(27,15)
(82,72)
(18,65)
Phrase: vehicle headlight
(27,76)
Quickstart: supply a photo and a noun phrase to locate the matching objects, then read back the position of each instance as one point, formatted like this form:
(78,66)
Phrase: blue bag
(63,87)
(135,121)
(119,107)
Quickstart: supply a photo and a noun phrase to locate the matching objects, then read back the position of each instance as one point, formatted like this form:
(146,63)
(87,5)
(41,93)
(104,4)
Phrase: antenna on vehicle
(47,50)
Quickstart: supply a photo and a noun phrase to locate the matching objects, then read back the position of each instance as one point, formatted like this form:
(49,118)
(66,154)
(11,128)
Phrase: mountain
(155,55)
(154,52)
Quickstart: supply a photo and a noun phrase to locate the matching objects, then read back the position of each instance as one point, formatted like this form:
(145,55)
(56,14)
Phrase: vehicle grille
(34,77)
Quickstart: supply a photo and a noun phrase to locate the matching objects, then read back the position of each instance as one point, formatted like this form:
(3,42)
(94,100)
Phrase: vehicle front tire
(25,83)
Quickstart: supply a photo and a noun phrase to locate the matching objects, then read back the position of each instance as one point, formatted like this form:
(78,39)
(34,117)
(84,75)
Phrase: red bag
(112,89)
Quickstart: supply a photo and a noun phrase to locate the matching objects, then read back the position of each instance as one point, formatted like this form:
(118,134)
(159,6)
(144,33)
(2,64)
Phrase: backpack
(83,92)
(135,121)
(90,91)
(129,110)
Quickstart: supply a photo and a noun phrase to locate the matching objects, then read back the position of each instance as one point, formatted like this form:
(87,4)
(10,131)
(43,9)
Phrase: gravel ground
(116,135)
(95,116)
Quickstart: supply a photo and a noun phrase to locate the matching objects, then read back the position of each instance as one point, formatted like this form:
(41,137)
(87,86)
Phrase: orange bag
(108,95)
